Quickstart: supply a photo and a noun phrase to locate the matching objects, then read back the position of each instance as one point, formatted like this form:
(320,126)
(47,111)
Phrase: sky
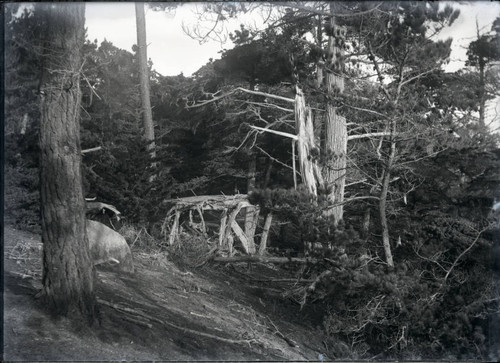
(173,51)
(169,47)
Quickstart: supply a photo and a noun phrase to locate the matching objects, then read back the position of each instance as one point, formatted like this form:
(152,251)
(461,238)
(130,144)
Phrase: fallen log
(263,259)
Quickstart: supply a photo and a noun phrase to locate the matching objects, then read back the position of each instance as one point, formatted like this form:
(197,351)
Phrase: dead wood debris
(290,342)
(262,259)
(141,315)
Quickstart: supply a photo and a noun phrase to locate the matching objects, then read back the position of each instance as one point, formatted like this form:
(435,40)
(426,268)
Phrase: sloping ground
(159,313)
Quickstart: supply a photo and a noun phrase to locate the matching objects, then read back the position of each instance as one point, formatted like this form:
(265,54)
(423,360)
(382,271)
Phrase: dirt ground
(232,312)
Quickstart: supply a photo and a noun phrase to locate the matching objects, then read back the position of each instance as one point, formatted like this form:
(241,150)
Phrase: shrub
(190,250)
(22,198)
(436,304)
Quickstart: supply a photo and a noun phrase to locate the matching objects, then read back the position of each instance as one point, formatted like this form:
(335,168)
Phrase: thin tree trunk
(265,233)
(336,129)
(267,177)
(147,115)
(366,222)
(251,214)
(68,272)
(383,199)
(482,100)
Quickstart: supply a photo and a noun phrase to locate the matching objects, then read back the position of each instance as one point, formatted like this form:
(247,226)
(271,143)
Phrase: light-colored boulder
(108,246)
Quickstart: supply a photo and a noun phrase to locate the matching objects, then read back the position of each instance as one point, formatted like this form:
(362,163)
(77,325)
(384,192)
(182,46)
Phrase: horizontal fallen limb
(282,280)
(263,259)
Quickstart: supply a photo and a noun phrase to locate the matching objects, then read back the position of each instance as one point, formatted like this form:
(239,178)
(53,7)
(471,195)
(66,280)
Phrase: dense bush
(439,302)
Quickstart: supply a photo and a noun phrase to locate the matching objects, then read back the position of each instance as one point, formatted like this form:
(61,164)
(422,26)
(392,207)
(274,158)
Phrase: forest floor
(161,312)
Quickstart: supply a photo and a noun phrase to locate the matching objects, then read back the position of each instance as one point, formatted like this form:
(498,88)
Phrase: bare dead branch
(97,148)
(285,134)
(273,158)
(241,89)
(372,134)
(454,264)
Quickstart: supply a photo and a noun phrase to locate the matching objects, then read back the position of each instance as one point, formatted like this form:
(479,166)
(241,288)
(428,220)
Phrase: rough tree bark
(147,116)
(68,272)
(335,148)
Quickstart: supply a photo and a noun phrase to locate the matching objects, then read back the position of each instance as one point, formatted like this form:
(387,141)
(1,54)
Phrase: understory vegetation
(421,165)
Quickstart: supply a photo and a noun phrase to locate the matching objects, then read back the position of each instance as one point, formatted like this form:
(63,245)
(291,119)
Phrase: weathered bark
(67,267)
(251,213)
(335,147)
(306,145)
(265,234)
(222,230)
(228,237)
(248,247)
(174,232)
(147,115)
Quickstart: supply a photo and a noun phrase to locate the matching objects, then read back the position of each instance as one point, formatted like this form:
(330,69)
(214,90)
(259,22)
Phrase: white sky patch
(174,52)
(170,49)
(464,30)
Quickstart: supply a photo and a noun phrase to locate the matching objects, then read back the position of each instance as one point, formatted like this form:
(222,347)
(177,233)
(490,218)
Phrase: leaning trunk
(383,199)
(147,115)
(67,268)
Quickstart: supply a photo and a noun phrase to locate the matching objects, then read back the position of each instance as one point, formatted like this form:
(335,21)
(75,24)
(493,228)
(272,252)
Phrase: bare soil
(234,312)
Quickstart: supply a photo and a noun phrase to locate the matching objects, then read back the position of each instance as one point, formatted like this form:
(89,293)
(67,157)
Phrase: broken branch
(97,148)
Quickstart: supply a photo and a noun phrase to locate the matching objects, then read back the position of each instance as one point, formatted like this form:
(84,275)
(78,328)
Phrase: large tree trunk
(147,116)
(67,268)
(335,148)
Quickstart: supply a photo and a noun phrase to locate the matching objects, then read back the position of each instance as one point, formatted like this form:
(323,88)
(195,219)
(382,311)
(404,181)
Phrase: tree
(397,44)
(68,271)
(335,127)
(147,116)
(481,54)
